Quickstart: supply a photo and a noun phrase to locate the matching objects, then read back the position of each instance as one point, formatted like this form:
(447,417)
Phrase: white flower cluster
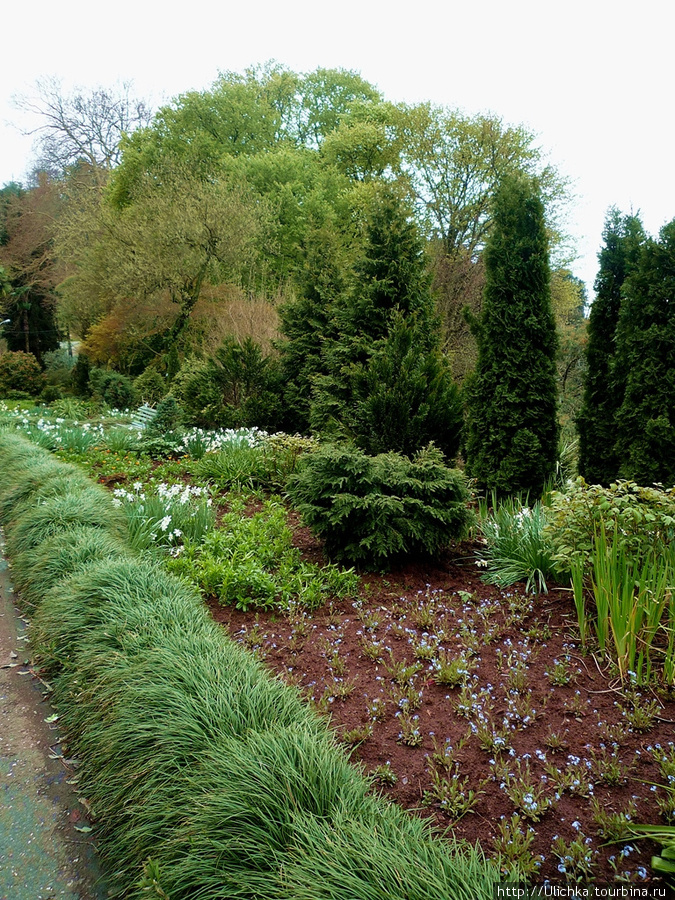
(224,438)
(181,493)
(121,495)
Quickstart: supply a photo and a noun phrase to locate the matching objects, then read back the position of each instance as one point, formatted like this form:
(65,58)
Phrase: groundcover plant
(472,704)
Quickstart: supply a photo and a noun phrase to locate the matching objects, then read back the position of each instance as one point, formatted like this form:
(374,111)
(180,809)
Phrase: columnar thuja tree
(511,398)
(645,365)
(603,387)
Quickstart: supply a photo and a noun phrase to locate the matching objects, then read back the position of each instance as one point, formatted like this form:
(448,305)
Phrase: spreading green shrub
(113,388)
(150,386)
(376,509)
(50,394)
(644,518)
(238,387)
(20,375)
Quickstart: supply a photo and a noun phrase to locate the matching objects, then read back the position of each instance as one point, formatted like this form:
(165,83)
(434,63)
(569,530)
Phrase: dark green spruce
(386,385)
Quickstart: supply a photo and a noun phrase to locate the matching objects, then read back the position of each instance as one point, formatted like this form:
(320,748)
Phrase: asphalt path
(46,843)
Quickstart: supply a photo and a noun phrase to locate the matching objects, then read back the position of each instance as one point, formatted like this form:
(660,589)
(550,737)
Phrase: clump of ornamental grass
(16,450)
(60,514)
(380,853)
(238,466)
(239,834)
(32,477)
(112,594)
(516,546)
(143,707)
(61,481)
(37,571)
(121,439)
(149,733)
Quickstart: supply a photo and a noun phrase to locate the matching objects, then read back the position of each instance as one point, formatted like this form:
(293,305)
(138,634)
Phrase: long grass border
(208,778)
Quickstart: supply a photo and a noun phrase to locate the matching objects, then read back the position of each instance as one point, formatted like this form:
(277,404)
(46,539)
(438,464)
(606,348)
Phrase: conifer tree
(385,385)
(512,428)
(645,364)
(405,397)
(603,391)
(306,324)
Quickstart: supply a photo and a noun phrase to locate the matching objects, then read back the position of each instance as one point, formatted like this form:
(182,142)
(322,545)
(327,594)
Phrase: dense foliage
(20,375)
(512,438)
(645,364)
(237,386)
(113,388)
(250,562)
(375,509)
(643,517)
(603,388)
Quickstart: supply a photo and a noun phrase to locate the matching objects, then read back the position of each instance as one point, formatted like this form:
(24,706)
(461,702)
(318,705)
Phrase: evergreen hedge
(206,776)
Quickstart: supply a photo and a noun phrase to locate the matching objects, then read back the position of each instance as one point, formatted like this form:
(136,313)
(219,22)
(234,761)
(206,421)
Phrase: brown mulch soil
(579,728)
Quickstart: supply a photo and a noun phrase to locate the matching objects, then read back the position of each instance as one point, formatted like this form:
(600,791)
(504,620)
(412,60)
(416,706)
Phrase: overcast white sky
(594,79)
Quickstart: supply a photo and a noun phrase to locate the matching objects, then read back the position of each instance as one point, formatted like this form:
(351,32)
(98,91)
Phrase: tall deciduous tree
(179,234)
(645,364)
(603,388)
(455,163)
(512,428)
(82,128)
(26,251)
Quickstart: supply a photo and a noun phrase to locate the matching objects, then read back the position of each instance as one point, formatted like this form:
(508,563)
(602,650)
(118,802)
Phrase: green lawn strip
(207,777)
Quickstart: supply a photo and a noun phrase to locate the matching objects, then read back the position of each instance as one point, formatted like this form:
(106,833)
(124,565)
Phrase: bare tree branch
(83,127)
